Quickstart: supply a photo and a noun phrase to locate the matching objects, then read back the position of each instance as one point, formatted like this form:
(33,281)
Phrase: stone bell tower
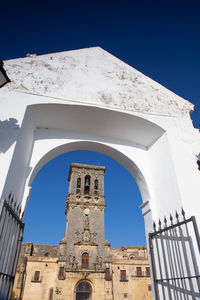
(85,206)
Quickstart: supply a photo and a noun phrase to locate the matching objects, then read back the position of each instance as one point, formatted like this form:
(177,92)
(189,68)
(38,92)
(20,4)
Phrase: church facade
(83,266)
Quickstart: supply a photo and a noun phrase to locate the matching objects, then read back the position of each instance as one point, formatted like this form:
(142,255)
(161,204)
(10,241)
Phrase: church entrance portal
(84,291)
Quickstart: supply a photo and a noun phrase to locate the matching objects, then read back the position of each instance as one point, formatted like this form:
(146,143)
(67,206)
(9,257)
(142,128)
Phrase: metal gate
(11,231)
(175,258)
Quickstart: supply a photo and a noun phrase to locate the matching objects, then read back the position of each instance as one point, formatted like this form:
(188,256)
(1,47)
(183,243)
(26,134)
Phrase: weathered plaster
(93,76)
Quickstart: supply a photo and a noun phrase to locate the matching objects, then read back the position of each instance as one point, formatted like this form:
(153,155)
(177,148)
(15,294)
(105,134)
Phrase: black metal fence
(11,231)
(175,258)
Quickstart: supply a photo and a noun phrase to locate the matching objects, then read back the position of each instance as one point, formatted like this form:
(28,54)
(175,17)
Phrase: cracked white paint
(93,76)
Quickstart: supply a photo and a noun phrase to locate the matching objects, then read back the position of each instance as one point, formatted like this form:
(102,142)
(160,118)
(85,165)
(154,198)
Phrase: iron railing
(175,258)
(11,231)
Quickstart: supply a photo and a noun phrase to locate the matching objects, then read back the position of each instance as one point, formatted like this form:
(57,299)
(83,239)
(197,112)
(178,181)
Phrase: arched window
(87,184)
(96,184)
(85,260)
(84,291)
(78,183)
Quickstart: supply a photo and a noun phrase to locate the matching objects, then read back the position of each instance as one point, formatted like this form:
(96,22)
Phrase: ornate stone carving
(71,259)
(99,261)
(85,274)
(86,236)
(86,223)
(58,291)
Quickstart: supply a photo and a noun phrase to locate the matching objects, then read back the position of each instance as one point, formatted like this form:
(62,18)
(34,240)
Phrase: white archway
(109,107)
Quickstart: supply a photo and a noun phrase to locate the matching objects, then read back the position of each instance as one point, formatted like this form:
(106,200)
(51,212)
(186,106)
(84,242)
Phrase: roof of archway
(92,76)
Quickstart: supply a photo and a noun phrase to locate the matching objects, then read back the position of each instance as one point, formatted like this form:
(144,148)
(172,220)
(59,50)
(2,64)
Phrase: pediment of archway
(92,76)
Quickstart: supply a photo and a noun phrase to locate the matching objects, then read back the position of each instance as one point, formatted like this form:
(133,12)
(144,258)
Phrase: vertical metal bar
(172,260)
(3,289)
(12,246)
(2,221)
(176,262)
(17,241)
(13,271)
(160,266)
(196,232)
(2,286)
(5,238)
(186,262)
(179,259)
(153,266)
(2,213)
(170,268)
(166,268)
(6,249)
(6,289)
(3,225)
(4,231)
(193,256)
(11,229)
(1,281)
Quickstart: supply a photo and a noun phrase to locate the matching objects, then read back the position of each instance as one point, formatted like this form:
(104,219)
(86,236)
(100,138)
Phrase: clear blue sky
(159,38)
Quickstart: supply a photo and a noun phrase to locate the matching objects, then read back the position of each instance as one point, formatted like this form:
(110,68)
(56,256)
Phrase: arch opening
(84,291)
(122,197)
(108,150)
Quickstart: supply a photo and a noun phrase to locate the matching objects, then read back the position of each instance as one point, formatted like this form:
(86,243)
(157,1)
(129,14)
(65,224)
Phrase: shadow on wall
(8,133)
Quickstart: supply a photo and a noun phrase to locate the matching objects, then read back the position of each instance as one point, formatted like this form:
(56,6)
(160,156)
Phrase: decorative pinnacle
(177,216)
(171,219)
(165,221)
(154,225)
(183,213)
(160,223)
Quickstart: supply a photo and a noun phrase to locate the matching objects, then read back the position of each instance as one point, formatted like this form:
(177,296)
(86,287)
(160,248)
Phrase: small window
(123,275)
(51,294)
(107,274)
(96,184)
(149,288)
(87,185)
(139,271)
(85,260)
(36,276)
(147,271)
(61,273)
(78,183)
(125,295)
